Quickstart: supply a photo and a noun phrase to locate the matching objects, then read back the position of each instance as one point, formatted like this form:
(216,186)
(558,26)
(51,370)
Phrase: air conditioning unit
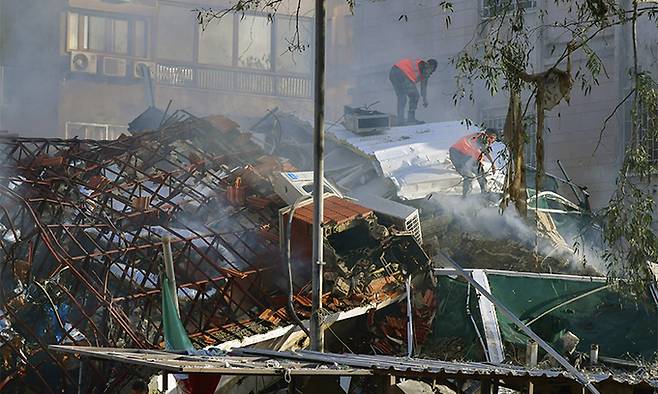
(292,185)
(389,212)
(138,69)
(114,67)
(84,62)
(365,121)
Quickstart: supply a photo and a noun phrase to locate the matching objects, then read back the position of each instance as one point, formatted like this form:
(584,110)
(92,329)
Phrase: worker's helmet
(433,63)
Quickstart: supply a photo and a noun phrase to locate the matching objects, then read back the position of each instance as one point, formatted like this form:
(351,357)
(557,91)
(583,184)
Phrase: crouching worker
(467,155)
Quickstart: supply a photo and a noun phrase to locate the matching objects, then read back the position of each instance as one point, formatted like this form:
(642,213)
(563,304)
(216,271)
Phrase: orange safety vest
(410,68)
(469,146)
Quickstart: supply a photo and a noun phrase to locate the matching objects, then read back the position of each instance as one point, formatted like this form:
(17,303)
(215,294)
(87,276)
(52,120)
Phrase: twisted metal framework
(80,229)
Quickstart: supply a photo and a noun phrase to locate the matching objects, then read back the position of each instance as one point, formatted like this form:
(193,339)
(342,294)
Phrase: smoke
(557,249)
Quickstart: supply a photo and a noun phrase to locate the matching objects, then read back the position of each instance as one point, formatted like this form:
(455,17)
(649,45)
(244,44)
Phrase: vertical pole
(317,333)
(169,270)
(410,323)
(594,354)
(531,354)
(80,376)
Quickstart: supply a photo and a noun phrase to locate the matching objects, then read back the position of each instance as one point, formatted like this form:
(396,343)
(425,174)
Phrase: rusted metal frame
(118,315)
(191,308)
(107,253)
(190,262)
(238,305)
(230,247)
(182,185)
(130,264)
(10,251)
(74,239)
(147,324)
(245,229)
(17,351)
(103,204)
(44,346)
(187,173)
(97,331)
(229,272)
(26,360)
(247,295)
(53,307)
(223,300)
(185,285)
(157,326)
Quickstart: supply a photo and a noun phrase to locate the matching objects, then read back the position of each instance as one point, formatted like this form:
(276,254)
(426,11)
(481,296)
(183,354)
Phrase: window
(255,42)
(176,30)
(250,41)
(216,43)
(107,34)
(492,8)
(293,61)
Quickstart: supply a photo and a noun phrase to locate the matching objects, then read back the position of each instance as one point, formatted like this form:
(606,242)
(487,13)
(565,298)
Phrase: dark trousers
(469,168)
(404,88)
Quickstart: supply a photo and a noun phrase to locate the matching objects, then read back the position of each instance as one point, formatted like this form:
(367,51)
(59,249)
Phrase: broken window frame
(78,33)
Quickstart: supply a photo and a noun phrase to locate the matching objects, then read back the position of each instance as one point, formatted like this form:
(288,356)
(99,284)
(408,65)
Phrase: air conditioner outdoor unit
(292,185)
(84,62)
(114,67)
(138,69)
(390,212)
(365,121)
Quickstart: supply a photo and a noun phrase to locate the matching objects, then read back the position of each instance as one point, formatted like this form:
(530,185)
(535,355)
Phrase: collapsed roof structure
(82,229)
(83,224)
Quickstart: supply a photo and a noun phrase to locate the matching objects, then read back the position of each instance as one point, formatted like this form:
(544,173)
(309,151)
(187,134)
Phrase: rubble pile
(81,229)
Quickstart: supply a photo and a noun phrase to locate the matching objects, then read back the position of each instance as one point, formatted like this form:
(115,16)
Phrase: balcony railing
(237,80)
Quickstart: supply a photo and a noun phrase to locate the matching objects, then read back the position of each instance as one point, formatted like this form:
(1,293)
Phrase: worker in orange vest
(467,156)
(404,75)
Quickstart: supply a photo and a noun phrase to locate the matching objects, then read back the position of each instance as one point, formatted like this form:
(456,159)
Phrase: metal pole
(524,327)
(169,270)
(317,332)
(410,323)
(80,377)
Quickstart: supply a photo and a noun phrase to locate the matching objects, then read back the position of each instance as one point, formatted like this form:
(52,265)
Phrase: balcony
(235,80)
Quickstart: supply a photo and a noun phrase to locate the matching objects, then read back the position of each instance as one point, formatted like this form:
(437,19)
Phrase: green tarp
(175,335)
(621,326)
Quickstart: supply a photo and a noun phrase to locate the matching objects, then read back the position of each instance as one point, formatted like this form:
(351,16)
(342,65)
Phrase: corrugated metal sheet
(415,158)
(390,364)
(248,361)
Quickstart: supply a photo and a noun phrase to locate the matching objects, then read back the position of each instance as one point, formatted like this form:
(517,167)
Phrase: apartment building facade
(74,68)
(385,31)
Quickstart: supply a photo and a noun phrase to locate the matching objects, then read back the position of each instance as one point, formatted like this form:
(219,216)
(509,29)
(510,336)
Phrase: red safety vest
(410,68)
(469,146)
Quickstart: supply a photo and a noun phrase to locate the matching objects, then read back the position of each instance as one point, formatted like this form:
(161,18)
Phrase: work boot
(411,119)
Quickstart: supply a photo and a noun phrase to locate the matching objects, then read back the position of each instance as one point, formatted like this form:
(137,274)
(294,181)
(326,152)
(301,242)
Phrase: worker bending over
(467,156)
(404,75)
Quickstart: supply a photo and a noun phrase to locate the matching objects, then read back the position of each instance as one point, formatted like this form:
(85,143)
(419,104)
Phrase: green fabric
(452,321)
(621,326)
(174,333)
